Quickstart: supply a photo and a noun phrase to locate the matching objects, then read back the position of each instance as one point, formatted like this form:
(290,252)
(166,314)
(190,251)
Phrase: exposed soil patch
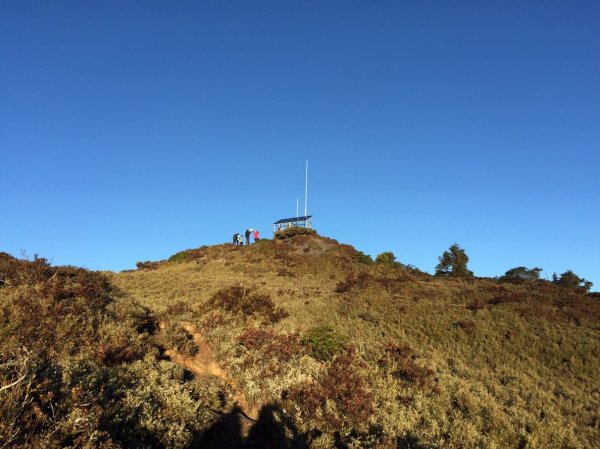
(204,364)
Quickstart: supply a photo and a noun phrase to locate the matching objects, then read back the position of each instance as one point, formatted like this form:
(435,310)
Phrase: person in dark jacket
(248,231)
(235,238)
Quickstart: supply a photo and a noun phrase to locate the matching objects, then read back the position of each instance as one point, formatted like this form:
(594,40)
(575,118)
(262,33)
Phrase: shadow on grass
(272,430)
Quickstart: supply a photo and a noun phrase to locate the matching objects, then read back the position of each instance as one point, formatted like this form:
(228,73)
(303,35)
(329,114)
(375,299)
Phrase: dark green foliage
(386,258)
(363,258)
(247,302)
(570,280)
(181,256)
(521,274)
(147,265)
(324,342)
(454,263)
(293,232)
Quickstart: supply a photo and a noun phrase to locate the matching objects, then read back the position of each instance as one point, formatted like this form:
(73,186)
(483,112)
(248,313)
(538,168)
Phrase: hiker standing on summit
(256,235)
(248,231)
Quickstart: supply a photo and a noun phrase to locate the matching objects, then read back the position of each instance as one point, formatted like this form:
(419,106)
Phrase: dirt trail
(204,364)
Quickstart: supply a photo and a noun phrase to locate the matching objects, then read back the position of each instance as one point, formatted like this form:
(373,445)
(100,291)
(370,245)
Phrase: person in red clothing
(256,235)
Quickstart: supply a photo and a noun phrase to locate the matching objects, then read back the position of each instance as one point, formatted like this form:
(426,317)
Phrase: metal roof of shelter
(293,219)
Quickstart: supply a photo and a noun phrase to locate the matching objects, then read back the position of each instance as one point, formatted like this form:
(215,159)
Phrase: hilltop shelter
(285,223)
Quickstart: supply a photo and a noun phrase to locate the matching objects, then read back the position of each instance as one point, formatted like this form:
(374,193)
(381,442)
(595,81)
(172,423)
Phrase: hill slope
(326,348)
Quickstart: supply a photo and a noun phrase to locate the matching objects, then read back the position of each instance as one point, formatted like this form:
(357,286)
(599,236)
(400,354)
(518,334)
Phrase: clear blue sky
(130,130)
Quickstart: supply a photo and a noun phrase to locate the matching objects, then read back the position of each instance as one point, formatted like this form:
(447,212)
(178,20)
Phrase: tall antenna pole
(306,190)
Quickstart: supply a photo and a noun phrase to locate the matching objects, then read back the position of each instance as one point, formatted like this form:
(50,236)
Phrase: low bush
(179,308)
(247,302)
(324,342)
(271,345)
(467,325)
(339,401)
(399,361)
(147,265)
(181,256)
(354,282)
(363,258)
(177,338)
(386,258)
(293,232)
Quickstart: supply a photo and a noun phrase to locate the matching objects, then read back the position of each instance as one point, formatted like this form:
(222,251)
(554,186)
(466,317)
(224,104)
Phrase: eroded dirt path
(204,364)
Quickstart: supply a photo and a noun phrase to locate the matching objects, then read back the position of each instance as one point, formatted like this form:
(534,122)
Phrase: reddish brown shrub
(148,265)
(507,298)
(343,388)
(467,325)
(353,282)
(178,308)
(475,306)
(399,359)
(246,302)
(272,345)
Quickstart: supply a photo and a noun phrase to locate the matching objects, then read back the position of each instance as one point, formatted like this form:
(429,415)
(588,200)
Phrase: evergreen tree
(454,263)
(571,280)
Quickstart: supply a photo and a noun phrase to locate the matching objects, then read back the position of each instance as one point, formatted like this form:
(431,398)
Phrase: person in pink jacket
(256,235)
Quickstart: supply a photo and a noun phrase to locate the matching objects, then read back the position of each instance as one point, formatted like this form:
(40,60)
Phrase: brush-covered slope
(296,342)
(357,354)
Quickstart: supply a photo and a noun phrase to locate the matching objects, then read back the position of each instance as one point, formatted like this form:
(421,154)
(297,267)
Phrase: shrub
(324,342)
(386,258)
(147,265)
(399,361)
(475,306)
(363,258)
(467,325)
(293,232)
(353,282)
(179,308)
(521,274)
(178,338)
(570,280)
(339,401)
(272,345)
(181,256)
(246,302)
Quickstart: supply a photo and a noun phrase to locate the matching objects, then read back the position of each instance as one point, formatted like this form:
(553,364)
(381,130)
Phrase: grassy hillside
(327,348)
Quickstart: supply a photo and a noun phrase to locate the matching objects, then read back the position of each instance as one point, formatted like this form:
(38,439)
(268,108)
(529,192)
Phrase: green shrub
(324,342)
(386,258)
(521,274)
(363,258)
(293,232)
(570,280)
(181,256)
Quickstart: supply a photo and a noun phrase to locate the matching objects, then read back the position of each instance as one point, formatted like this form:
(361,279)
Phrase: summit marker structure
(304,221)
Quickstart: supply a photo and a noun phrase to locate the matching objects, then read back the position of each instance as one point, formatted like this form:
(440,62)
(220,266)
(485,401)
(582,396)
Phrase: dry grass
(484,364)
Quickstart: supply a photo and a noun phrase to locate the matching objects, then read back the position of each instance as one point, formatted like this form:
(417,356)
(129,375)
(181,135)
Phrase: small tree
(453,263)
(521,274)
(387,258)
(570,280)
